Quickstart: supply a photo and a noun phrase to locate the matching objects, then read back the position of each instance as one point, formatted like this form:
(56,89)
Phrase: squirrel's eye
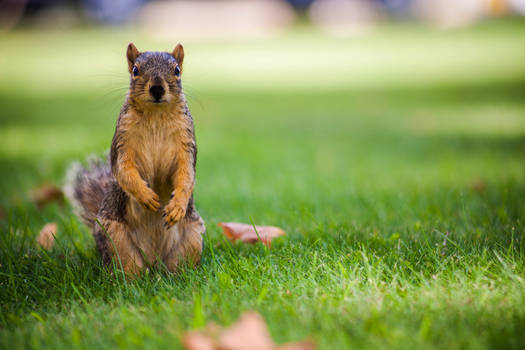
(177,71)
(135,71)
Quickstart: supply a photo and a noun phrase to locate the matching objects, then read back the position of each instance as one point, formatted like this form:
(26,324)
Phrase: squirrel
(139,202)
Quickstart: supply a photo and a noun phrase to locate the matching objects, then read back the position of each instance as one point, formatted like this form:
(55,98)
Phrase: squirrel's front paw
(148,199)
(173,212)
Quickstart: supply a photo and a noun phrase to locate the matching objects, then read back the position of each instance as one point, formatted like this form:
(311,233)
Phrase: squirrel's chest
(156,150)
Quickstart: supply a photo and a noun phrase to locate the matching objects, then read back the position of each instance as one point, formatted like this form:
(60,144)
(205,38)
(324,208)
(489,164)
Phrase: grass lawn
(394,161)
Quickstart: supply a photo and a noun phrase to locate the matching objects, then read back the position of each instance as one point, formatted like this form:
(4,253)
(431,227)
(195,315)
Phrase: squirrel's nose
(157,91)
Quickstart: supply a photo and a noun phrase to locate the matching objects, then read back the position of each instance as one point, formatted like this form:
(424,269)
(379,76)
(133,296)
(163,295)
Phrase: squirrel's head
(155,76)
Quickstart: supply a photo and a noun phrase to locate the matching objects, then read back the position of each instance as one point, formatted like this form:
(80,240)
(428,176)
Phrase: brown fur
(148,215)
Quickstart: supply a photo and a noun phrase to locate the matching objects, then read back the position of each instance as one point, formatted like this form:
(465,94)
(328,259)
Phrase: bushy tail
(86,187)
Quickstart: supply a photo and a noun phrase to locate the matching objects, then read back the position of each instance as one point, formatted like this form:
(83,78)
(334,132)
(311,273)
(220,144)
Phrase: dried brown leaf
(247,234)
(478,185)
(248,333)
(198,341)
(46,237)
(46,194)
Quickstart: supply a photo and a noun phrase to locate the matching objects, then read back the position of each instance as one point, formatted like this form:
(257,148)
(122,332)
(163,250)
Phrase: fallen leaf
(46,194)
(46,237)
(247,234)
(248,333)
(250,330)
(478,185)
(202,340)
(197,341)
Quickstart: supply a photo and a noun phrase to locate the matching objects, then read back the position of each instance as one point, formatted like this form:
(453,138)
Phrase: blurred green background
(408,88)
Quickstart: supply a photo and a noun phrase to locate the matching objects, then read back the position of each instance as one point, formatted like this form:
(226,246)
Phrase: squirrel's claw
(152,205)
(172,214)
(149,200)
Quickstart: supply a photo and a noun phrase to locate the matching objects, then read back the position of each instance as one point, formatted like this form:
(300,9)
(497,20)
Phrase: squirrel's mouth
(158,102)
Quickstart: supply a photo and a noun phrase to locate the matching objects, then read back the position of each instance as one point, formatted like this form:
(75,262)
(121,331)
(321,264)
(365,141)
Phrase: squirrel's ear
(178,54)
(132,53)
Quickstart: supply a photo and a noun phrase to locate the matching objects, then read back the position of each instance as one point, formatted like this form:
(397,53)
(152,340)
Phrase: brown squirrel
(139,204)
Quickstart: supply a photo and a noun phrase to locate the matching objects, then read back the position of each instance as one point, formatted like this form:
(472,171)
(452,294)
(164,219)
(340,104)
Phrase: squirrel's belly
(149,233)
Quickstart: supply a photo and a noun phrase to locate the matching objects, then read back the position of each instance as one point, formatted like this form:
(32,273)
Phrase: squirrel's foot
(148,199)
(173,212)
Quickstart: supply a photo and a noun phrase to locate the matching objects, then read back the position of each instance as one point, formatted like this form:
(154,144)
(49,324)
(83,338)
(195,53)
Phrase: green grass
(370,173)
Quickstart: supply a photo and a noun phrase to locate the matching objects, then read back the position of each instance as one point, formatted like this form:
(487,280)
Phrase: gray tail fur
(87,186)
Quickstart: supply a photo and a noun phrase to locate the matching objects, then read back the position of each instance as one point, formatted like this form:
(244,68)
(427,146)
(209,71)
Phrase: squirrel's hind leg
(114,244)
(113,235)
(189,247)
